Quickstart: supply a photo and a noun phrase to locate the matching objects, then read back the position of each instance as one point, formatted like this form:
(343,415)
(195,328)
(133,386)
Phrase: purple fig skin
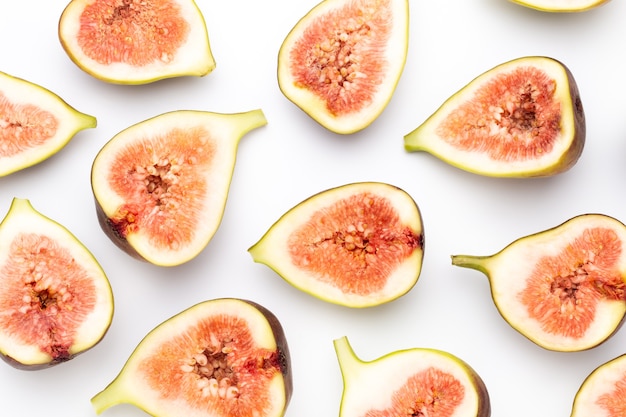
(117,238)
(282,349)
(572,156)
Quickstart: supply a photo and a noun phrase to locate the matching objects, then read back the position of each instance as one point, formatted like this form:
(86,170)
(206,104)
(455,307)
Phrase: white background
(451,42)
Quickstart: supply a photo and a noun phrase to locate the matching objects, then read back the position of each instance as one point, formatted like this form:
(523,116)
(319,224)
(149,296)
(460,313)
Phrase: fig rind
(405,380)
(188,157)
(356,245)
(258,355)
(61,308)
(484,145)
(193,57)
(560,6)
(602,393)
(562,288)
(376,60)
(24,104)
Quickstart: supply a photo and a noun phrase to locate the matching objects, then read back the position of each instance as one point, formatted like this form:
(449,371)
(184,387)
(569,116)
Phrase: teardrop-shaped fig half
(410,382)
(357,245)
(522,118)
(561,6)
(136,42)
(161,185)
(562,288)
(56,301)
(342,61)
(602,393)
(220,358)
(35,123)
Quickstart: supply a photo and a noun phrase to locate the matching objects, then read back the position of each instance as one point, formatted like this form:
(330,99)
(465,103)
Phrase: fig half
(561,6)
(562,288)
(602,392)
(522,118)
(161,185)
(410,382)
(136,42)
(220,358)
(56,301)
(357,245)
(35,123)
(342,61)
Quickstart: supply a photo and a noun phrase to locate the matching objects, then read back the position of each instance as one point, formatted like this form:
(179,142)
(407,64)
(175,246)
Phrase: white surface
(291,158)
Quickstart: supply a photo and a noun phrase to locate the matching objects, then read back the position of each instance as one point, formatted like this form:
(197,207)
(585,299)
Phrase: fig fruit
(161,185)
(56,301)
(522,118)
(410,382)
(561,6)
(35,123)
(342,61)
(220,358)
(602,392)
(136,42)
(562,288)
(357,245)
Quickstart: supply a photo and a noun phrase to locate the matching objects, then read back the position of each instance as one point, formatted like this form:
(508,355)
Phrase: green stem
(349,364)
(478,263)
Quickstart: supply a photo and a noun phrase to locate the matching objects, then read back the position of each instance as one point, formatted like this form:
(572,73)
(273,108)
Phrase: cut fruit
(357,245)
(56,301)
(411,382)
(523,118)
(220,358)
(161,185)
(602,393)
(35,123)
(136,42)
(561,6)
(562,288)
(342,61)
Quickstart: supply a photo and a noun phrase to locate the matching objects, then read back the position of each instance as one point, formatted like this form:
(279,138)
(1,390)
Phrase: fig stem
(108,397)
(478,263)
(250,120)
(349,364)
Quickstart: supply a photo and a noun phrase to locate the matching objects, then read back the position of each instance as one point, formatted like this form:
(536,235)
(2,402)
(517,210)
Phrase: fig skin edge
(120,390)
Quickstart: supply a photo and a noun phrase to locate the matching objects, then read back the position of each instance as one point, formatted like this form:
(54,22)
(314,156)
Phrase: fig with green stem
(410,382)
(562,288)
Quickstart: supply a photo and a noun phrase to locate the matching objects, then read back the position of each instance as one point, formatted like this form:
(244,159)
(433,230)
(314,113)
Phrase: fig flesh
(136,42)
(562,288)
(161,185)
(522,118)
(357,245)
(561,6)
(602,392)
(35,123)
(342,61)
(220,358)
(410,382)
(56,300)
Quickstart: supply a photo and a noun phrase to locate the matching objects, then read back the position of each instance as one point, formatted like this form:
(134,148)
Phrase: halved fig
(56,301)
(136,42)
(35,123)
(522,118)
(342,61)
(410,382)
(357,245)
(161,185)
(562,288)
(561,6)
(220,358)
(602,393)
